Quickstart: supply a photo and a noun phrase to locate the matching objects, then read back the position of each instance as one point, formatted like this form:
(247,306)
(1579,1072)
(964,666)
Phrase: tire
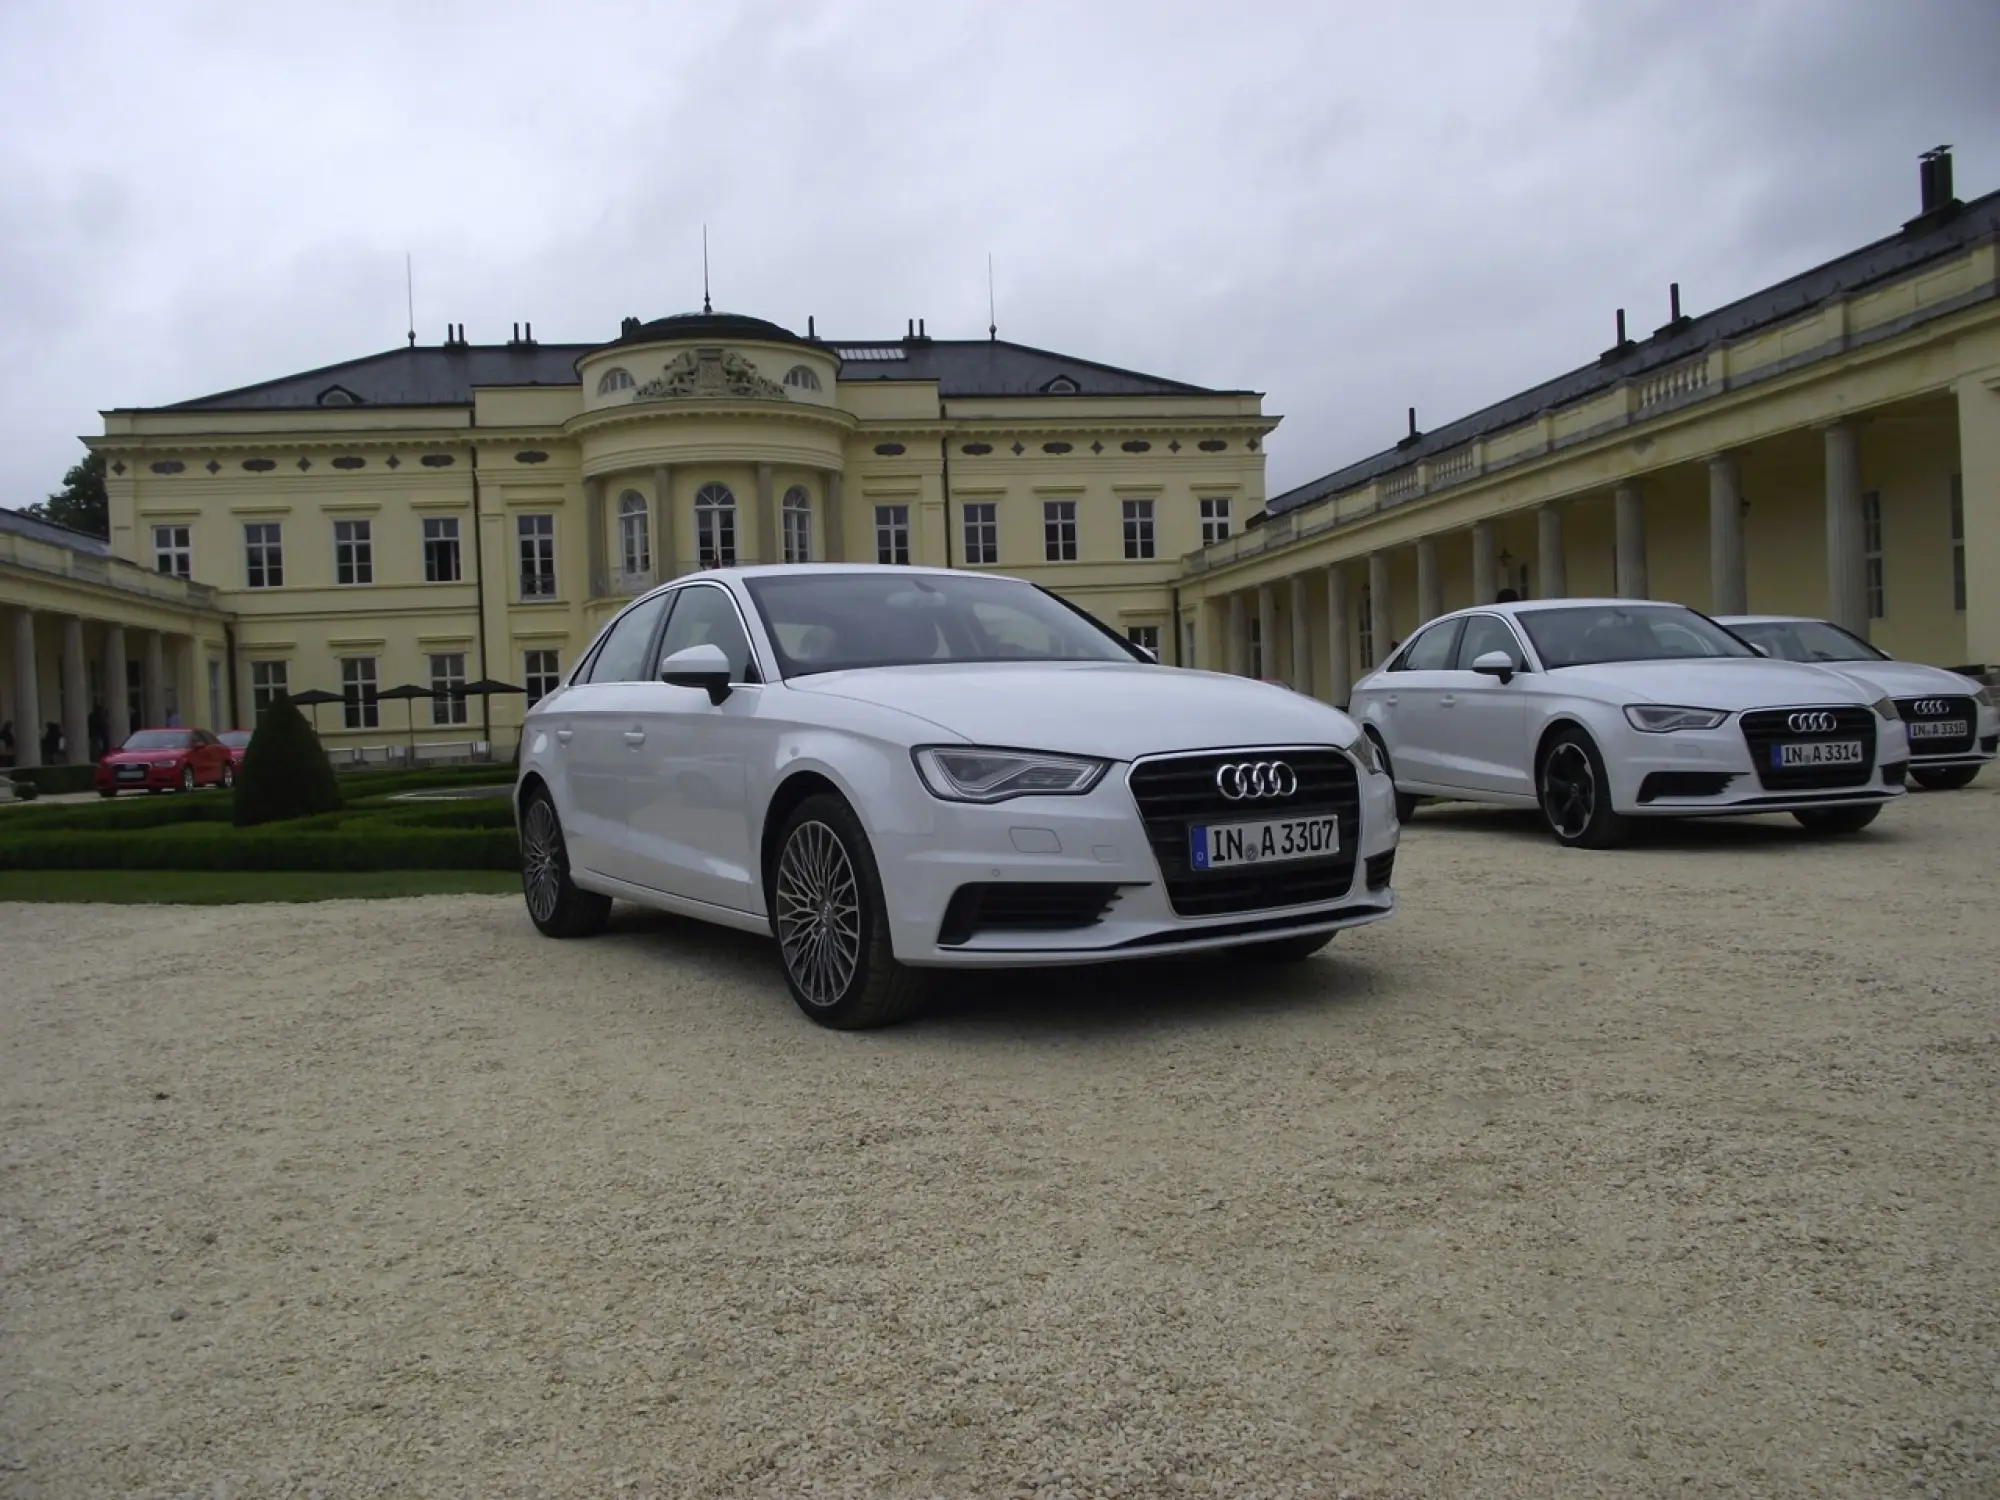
(832,924)
(228,776)
(1406,802)
(112,792)
(187,778)
(555,905)
(1575,794)
(1837,820)
(1945,778)
(1288,950)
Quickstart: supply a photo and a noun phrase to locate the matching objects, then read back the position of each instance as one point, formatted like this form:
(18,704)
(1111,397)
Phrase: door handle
(562,736)
(635,737)
(1393,700)
(1447,700)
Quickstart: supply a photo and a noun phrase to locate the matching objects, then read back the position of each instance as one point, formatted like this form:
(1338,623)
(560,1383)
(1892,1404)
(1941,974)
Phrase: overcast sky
(1352,207)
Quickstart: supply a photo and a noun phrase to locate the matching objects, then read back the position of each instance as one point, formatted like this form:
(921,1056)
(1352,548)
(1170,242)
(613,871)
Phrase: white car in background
(895,769)
(1953,726)
(1599,711)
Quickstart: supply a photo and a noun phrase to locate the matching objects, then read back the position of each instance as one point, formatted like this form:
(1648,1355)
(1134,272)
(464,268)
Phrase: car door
(599,737)
(1484,720)
(690,806)
(1409,696)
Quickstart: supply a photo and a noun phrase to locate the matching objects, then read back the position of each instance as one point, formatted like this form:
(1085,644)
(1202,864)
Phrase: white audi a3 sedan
(1598,711)
(893,770)
(1951,721)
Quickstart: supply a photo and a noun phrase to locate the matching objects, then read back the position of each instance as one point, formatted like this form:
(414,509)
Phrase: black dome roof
(706,325)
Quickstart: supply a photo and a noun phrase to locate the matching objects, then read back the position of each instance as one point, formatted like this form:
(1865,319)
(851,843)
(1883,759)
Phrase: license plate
(1817,753)
(1940,729)
(1228,845)
(131,773)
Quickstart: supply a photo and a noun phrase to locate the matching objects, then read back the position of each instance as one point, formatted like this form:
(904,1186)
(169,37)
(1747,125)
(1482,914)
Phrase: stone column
(1430,588)
(1380,617)
(1979,508)
(1485,566)
(1239,635)
(593,517)
(1846,542)
(1553,562)
(666,553)
(1728,593)
(1339,650)
(27,701)
(834,525)
(153,681)
(1267,630)
(75,692)
(767,519)
(1302,674)
(117,708)
(1629,516)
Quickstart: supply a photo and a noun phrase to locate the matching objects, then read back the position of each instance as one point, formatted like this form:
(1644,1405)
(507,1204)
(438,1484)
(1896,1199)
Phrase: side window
(706,616)
(622,657)
(1484,633)
(1431,651)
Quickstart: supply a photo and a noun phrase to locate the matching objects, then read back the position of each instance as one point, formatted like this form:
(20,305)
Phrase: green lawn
(232,887)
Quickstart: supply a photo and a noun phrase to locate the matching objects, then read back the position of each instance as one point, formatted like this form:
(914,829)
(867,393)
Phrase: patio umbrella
(486,687)
(312,698)
(408,692)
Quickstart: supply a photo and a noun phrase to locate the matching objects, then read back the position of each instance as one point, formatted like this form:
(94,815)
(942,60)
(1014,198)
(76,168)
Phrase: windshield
(158,739)
(235,739)
(831,622)
(1807,640)
(1591,633)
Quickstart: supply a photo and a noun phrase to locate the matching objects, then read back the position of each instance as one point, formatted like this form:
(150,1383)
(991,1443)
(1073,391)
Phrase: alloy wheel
(1569,790)
(819,913)
(187,779)
(541,861)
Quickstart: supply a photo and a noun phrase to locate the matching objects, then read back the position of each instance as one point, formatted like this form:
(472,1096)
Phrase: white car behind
(895,769)
(1951,721)
(1599,711)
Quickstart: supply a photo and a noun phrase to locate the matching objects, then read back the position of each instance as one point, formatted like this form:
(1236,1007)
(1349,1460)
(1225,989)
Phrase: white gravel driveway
(1667,1172)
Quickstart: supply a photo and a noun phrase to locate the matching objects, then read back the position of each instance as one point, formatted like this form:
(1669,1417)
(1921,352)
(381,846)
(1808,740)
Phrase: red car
(236,741)
(154,760)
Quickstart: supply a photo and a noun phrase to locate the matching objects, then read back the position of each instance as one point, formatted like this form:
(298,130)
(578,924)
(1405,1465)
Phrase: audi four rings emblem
(1812,723)
(1241,781)
(1931,708)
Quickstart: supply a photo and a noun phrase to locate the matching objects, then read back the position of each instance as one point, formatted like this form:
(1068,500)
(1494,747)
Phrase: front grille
(1768,728)
(1660,784)
(1023,906)
(1380,869)
(1935,711)
(1177,793)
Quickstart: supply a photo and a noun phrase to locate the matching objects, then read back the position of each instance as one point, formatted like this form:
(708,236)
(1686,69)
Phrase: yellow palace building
(435,516)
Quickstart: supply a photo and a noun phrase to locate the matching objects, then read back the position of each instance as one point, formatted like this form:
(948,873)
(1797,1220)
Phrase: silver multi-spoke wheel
(1569,789)
(541,861)
(819,913)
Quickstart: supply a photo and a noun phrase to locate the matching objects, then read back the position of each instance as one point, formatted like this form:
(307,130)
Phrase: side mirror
(1494,664)
(705,666)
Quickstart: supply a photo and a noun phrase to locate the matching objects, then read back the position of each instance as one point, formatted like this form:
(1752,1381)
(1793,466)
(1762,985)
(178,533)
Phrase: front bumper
(1715,773)
(152,778)
(1984,747)
(1068,880)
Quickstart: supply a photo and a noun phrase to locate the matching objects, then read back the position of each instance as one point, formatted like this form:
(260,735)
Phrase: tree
(81,504)
(285,770)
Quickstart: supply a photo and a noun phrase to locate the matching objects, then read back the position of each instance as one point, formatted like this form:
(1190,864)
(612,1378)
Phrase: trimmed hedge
(55,781)
(285,773)
(373,783)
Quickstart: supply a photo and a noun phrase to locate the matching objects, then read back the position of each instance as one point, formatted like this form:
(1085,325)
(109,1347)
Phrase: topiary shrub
(285,772)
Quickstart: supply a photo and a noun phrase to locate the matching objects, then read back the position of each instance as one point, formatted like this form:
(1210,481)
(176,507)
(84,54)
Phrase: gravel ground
(1662,1172)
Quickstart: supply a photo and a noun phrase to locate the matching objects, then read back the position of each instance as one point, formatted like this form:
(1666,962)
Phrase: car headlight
(973,774)
(1662,718)
(165,765)
(1983,697)
(1363,750)
(1885,708)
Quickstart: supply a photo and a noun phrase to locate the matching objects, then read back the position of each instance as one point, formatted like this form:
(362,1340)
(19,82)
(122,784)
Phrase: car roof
(1769,620)
(1534,606)
(822,569)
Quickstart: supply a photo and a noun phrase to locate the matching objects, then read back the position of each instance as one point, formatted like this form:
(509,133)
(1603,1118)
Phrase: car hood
(1905,679)
(1091,708)
(1725,682)
(138,757)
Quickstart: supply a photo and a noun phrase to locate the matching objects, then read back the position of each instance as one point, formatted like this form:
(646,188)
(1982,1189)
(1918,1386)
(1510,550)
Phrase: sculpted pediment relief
(709,373)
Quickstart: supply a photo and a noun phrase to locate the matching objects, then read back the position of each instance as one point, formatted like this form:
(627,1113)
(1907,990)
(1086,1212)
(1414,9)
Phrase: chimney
(811,332)
(1934,189)
(1414,436)
(1621,328)
(627,328)
(454,335)
(1674,303)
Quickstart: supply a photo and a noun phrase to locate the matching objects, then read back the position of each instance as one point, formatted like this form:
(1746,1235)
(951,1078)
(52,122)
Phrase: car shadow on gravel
(1774,833)
(1132,997)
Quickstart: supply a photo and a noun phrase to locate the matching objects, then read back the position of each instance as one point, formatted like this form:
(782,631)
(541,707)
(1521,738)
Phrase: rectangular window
(798,525)
(1256,645)
(448,682)
(264,554)
(1138,530)
(1958,542)
(1214,520)
(540,674)
(267,680)
(536,535)
(173,550)
(353,552)
(1145,635)
(1871,549)
(358,686)
(1364,626)
(441,549)
(1059,530)
(892,533)
(982,533)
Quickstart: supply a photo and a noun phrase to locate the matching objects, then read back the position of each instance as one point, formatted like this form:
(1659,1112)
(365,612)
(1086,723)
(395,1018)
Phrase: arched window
(635,534)
(798,513)
(715,526)
(617,378)
(1062,385)
(803,377)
